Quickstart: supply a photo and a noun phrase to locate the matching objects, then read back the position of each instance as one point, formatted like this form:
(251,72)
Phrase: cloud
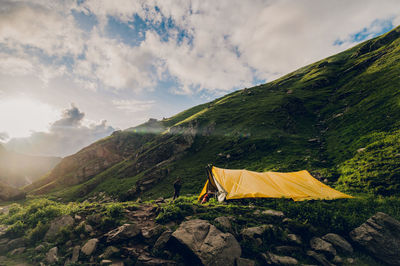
(65,136)
(133,106)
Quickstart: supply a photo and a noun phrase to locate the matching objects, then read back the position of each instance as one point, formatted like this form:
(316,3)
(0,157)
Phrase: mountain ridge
(315,118)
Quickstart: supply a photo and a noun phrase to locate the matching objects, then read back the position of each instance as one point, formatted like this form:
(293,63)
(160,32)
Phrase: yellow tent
(238,184)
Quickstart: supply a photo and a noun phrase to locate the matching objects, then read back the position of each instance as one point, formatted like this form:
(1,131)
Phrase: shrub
(16,230)
(37,233)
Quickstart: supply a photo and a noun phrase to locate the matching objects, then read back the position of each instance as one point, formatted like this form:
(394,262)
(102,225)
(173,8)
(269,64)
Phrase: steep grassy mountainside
(18,170)
(335,117)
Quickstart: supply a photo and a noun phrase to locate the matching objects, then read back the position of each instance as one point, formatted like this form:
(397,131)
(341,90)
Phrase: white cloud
(133,106)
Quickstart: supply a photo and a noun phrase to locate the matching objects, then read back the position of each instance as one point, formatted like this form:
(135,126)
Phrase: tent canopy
(238,184)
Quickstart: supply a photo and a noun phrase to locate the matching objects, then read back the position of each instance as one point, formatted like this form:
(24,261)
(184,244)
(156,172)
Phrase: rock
(17,251)
(295,239)
(75,254)
(320,258)
(322,246)
(244,262)
(337,260)
(380,236)
(255,234)
(123,232)
(68,243)
(90,246)
(77,217)
(16,243)
(57,224)
(273,259)
(350,261)
(161,242)
(51,256)
(150,261)
(110,252)
(205,244)
(118,263)
(339,243)
(105,262)
(153,232)
(225,223)
(39,248)
(94,219)
(288,250)
(277,214)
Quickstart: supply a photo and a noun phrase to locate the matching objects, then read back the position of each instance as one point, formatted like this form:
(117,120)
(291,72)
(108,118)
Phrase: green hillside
(337,118)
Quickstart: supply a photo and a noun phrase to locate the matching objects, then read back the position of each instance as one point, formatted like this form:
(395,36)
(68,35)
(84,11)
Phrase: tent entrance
(213,186)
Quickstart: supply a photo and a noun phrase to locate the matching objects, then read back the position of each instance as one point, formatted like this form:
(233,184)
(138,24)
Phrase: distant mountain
(337,118)
(18,170)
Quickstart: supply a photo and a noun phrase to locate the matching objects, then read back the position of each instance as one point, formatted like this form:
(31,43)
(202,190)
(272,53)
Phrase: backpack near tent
(238,184)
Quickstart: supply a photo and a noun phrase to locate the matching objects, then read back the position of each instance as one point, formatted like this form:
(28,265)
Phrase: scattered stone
(150,261)
(105,262)
(94,219)
(254,234)
(39,248)
(295,239)
(110,252)
(161,242)
(225,223)
(16,243)
(68,243)
(123,232)
(320,258)
(380,236)
(339,243)
(118,263)
(159,200)
(75,254)
(350,261)
(57,224)
(320,245)
(77,217)
(361,150)
(288,250)
(153,232)
(206,244)
(273,259)
(17,251)
(90,246)
(51,256)
(337,260)
(244,262)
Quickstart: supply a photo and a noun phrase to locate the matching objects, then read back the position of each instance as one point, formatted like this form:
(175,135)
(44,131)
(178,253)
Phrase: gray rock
(339,243)
(123,232)
(17,251)
(105,262)
(16,243)
(294,239)
(51,255)
(153,232)
(320,258)
(337,259)
(225,223)
(75,254)
(206,244)
(90,246)
(117,263)
(110,252)
(161,242)
(322,246)
(57,224)
(77,217)
(244,262)
(380,236)
(150,261)
(254,234)
(288,250)
(277,214)
(273,259)
(39,248)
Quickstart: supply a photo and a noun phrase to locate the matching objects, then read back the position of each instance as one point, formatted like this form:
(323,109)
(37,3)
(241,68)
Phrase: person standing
(177,187)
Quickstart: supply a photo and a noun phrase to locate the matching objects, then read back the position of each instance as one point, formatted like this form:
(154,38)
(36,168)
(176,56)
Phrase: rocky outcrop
(57,224)
(205,244)
(124,232)
(339,243)
(322,246)
(90,246)
(273,259)
(380,236)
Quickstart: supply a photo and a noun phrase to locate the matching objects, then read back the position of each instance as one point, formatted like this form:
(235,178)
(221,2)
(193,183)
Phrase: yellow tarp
(299,186)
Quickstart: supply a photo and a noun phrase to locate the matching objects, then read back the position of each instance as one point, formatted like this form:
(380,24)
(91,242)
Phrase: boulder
(122,233)
(254,234)
(288,250)
(225,223)
(110,252)
(244,262)
(320,258)
(57,224)
(380,236)
(273,213)
(322,246)
(339,243)
(161,242)
(294,239)
(75,254)
(90,246)
(273,259)
(51,255)
(144,259)
(152,233)
(204,244)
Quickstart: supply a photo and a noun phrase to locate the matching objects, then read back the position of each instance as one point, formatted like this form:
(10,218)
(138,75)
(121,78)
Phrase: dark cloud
(66,136)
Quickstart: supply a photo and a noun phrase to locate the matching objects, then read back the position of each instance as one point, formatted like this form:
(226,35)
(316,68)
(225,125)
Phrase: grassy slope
(315,118)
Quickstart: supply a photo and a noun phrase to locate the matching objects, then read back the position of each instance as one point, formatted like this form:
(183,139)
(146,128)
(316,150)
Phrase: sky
(73,71)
